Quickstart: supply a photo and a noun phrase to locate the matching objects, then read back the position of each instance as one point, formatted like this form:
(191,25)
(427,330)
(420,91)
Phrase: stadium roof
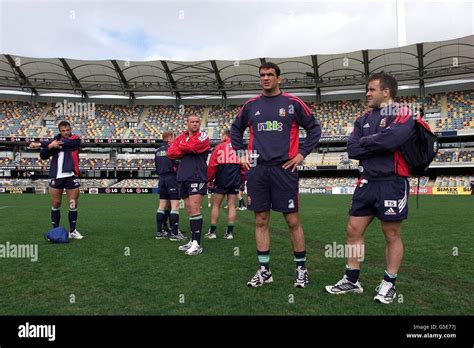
(414,64)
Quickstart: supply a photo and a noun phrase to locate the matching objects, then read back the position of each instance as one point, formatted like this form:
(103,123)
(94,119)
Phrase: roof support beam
(75,83)
(19,74)
(220,84)
(122,78)
(365,58)
(314,60)
(421,69)
(171,80)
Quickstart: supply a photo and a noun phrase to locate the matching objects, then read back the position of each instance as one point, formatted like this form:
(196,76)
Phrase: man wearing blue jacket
(382,190)
(168,190)
(63,173)
(273,119)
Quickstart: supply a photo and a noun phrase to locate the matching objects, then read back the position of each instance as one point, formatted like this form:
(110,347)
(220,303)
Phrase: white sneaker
(301,277)
(195,249)
(228,236)
(344,286)
(210,235)
(185,246)
(385,292)
(261,277)
(75,235)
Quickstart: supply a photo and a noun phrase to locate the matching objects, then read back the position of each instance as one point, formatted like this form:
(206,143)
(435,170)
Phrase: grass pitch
(95,276)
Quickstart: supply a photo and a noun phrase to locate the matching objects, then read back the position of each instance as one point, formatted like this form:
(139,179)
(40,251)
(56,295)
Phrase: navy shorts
(168,187)
(272,187)
(387,200)
(226,191)
(68,183)
(189,188)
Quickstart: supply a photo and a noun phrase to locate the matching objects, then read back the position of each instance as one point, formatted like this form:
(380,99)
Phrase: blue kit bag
(57,235)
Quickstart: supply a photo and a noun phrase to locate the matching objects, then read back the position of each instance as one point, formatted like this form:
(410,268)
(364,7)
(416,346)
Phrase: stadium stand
(94,163)
(100,183)
(21,119)
(337,118)
(5,161)
(327,182)
(454,181)
(424,181)
(135,163)
(455,155)
(16,182)
(144,183)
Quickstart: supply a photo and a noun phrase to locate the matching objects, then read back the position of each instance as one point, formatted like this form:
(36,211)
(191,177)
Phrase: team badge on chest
(282,112)
(383,123)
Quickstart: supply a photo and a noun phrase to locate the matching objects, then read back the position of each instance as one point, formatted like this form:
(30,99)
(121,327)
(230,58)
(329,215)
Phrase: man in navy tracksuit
(168,190)
(273,119)
(224,178)
(382,190)
(192,148)
(63,173)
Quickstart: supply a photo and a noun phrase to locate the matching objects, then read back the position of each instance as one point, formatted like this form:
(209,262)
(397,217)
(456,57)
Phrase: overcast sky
(231,30)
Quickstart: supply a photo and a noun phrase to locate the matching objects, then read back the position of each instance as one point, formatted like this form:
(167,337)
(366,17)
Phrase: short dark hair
(63,124)
(270,65)
(386,81)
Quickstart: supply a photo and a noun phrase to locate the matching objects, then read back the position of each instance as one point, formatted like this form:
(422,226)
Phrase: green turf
(156,277)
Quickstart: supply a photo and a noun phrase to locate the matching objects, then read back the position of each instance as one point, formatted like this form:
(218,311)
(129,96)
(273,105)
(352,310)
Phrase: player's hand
(55,144)
(294,162)
(244,161)
(34,145)
(211,185)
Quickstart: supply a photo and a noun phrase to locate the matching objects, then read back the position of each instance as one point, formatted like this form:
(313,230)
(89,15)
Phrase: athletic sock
(264,259)
(196,227)
(391,278)
(174,220)
(352,274)
(167,218)
(300,258)
(72,219)
(55,216)
(212,229)
(160,218)
(230,228)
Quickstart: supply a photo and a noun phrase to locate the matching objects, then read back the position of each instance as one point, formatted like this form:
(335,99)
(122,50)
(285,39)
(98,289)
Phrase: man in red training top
(224,176)
(191,148)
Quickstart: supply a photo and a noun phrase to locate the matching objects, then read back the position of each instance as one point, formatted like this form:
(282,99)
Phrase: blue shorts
(189,188)
(226,191)
(168,187)
(387,200)
(272,187)
(68,183)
